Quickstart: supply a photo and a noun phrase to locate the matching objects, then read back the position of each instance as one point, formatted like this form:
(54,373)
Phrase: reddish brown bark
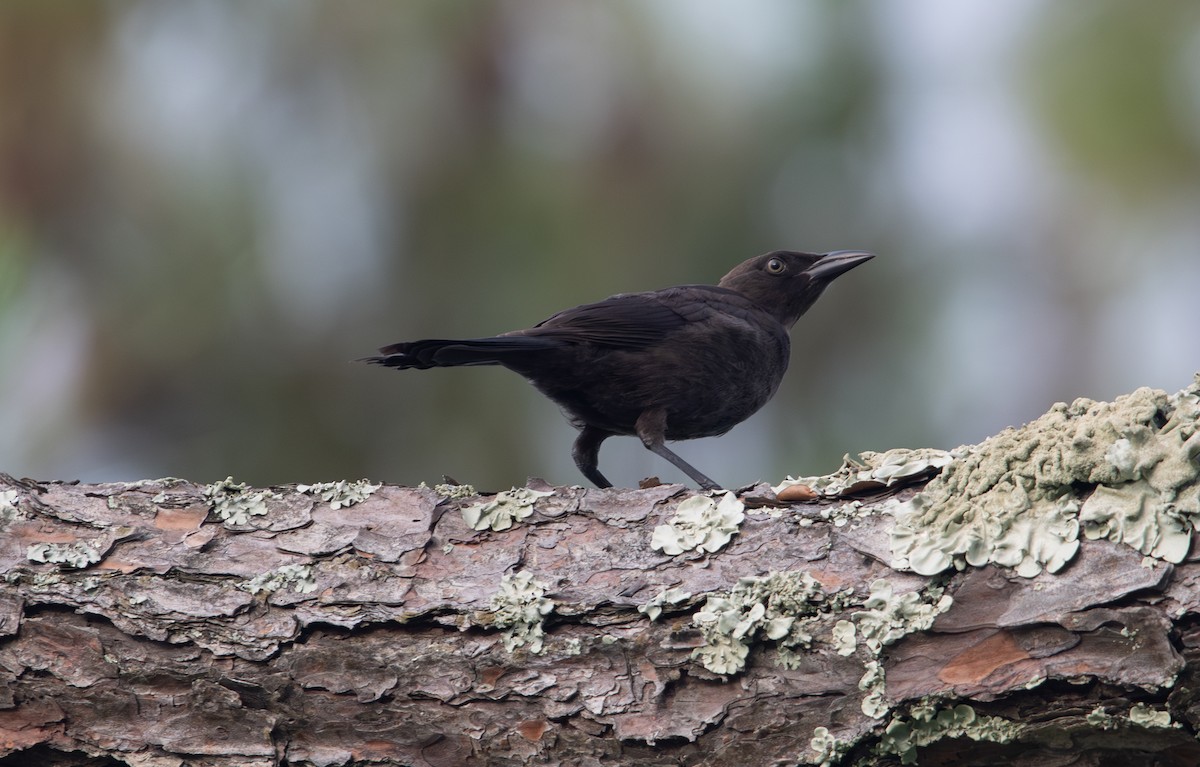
(157,654)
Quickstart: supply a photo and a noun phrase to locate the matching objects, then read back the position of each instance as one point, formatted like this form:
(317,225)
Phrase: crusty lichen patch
(1154,502)
(1145,716)
(503,510)
(700,522)
(299,577)
(520,605)
(342,493)
(1013,499)
(829,749)
(928,724)
(78,555)
(873,471)
(654,607)
(783,607)
(234,502)
(451,490)
(887,616)
(792,609)
(874,686)
(9,510)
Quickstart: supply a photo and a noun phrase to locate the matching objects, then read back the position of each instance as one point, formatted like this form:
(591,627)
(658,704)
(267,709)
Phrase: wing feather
(629,321)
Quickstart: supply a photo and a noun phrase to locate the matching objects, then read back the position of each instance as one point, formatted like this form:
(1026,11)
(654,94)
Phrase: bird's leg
(586,453)
(651,427)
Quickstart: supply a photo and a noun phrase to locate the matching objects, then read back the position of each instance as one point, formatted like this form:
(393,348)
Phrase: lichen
(1153,501)
(700,522)
(1101,719)
(873,682)
(447,490)
(78,555)
(886,617)
(342,493)
(8,505)
(234,503)
(781,607)
(1012,500)
(1145,716)
(845,637)
(840,515)
(299,577)
(928,724)
(874,471)
(503,510)
(829,749)
(519,607)
(654,607)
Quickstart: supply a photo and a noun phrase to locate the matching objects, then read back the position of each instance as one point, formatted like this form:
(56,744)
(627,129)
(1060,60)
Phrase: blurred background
(207,209)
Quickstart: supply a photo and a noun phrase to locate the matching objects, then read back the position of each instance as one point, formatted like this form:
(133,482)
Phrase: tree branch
(166,623)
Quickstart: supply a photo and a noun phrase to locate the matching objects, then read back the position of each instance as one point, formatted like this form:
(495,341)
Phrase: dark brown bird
(671,364)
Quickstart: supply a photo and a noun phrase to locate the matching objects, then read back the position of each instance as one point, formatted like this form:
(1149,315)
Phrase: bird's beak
(838,262)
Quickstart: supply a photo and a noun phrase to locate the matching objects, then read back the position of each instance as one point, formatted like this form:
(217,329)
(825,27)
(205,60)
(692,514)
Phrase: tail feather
(435,352)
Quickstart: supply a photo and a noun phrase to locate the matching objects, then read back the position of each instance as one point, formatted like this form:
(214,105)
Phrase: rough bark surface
(163,645)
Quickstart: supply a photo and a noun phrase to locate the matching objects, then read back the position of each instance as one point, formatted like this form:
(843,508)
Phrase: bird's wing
(630,321)
(635,320)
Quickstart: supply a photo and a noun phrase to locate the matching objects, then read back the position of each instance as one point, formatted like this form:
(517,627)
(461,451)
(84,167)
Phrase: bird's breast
(738,373)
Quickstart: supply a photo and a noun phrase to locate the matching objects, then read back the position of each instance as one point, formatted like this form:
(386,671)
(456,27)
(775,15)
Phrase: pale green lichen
(886,617)
(829,749)
(299,577)
(1153,501)
(234,503)
(78,555)
(700,522)
(8,505)
(840,515)
(503,510)
(780,607)
(654,607)
(873,682)
(845,637)
(447,490)
(874,471)
(1145,716)
(1012,500)
(90,583)
(519,607)
(342,493)
(928,724)
(1100,719)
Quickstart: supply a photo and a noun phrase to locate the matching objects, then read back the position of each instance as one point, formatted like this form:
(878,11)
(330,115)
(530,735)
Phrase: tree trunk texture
(154,624)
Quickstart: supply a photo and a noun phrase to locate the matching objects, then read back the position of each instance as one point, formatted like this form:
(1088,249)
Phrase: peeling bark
(187,641)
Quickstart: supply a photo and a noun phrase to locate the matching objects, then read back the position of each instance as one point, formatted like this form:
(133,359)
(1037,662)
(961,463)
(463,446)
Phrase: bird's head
(786,283)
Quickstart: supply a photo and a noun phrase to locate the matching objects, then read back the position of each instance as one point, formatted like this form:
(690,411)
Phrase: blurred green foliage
(1115,86)
(207,210)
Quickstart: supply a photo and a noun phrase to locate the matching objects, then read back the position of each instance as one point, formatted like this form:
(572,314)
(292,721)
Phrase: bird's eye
(776,266)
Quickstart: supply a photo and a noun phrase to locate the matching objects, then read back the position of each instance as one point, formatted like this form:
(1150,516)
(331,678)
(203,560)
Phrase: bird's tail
(434,352)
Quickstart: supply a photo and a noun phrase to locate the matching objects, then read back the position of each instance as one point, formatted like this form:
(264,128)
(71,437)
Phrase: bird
(663,365)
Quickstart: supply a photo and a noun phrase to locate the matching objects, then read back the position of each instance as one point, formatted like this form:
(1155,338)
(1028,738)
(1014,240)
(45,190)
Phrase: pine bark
(166,642)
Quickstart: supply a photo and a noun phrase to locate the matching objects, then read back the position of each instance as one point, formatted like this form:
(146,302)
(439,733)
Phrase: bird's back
(707,355)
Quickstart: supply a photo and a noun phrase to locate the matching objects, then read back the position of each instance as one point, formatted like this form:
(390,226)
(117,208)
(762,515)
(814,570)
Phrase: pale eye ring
(776,266)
